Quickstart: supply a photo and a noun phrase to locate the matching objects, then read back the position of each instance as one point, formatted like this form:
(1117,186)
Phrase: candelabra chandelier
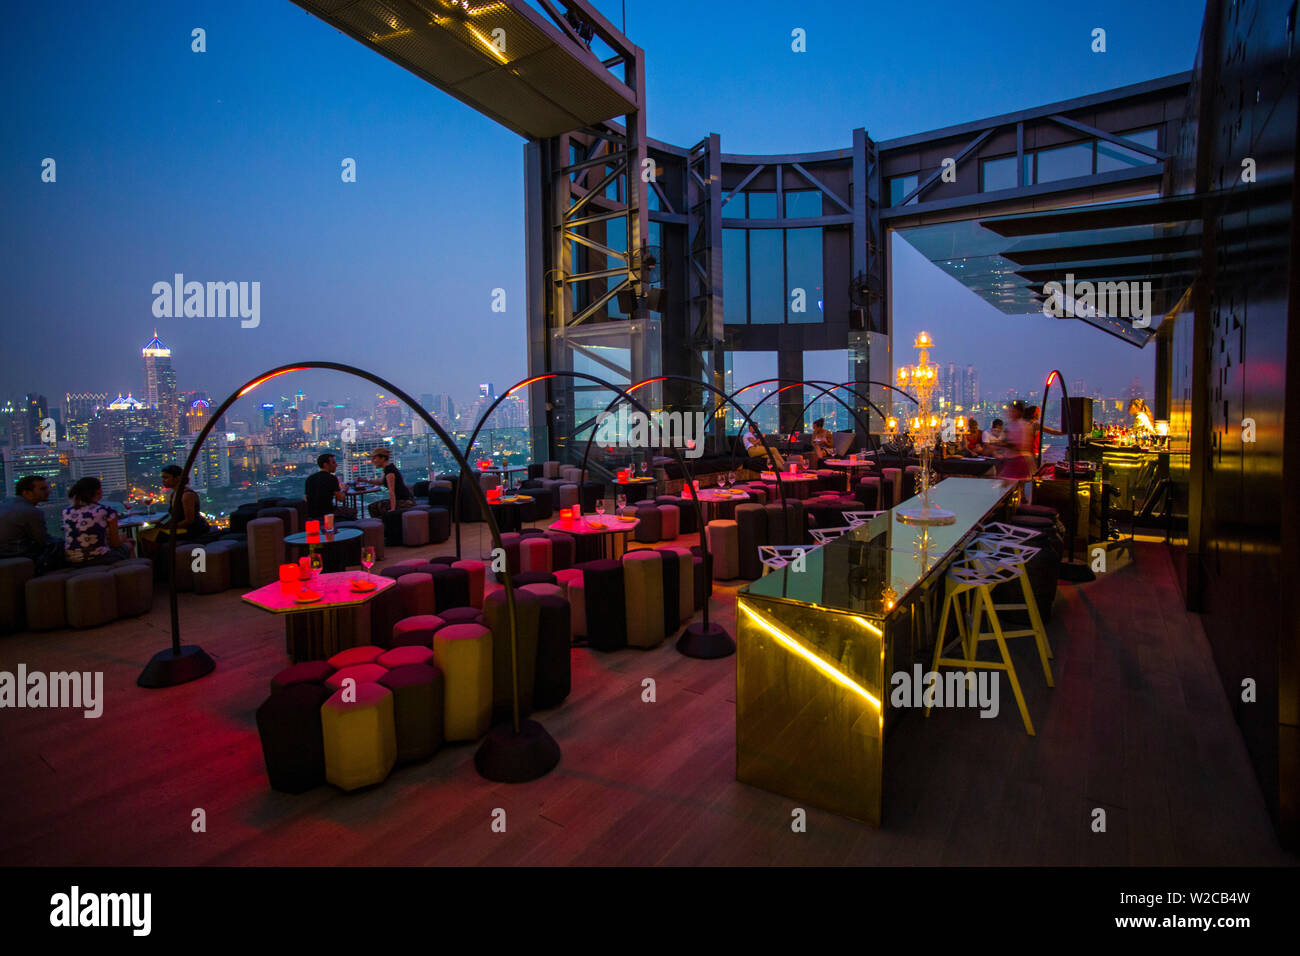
(925,429)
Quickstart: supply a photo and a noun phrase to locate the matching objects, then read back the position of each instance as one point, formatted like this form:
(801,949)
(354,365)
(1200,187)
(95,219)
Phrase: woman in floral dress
(90,534)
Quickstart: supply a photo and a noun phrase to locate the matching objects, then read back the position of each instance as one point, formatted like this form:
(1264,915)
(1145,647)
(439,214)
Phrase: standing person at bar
(1017,445)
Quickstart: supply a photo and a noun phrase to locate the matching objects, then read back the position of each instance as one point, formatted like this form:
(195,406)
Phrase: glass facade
(803,203)
(900,186)
(803,269)
(766,275)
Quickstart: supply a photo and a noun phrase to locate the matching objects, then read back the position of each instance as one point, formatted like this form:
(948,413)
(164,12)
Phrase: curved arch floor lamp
(513,753)
(1069,570)
(706,640)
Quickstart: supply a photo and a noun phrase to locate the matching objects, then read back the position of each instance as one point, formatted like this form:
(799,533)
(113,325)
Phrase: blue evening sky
(225,165)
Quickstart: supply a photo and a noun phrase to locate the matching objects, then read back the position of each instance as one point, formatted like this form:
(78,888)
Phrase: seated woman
(185,506)
(90,534)
(823,442)
(398,495)
(972,443)
(754,447)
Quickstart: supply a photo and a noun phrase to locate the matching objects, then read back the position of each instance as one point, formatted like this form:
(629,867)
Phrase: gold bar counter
(818,640)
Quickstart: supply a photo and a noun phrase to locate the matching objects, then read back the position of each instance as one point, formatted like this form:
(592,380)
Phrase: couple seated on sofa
(823,445)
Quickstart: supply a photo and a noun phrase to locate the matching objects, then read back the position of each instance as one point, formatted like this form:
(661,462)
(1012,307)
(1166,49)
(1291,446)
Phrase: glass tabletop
(853,572)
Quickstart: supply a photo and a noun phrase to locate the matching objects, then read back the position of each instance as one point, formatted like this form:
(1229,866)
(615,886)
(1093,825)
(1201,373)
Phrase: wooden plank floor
(1137,725)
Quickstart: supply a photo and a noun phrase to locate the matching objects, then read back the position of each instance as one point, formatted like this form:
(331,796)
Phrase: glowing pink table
(316,631)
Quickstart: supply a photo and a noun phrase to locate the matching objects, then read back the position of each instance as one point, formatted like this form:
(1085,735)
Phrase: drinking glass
(644,466)
(731,479)
(317,563)
(600,507)
(368,557)
(621,502)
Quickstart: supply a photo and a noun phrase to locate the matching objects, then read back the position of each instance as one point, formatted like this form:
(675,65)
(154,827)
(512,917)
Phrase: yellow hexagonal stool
(360,736)
(464,652)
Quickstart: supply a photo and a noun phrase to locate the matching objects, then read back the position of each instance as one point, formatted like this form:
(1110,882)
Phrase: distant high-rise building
(426,401)
(35,409)
(487,390)
(1135,389)
(49,461)
(109,469)
(147,453)
(971,387)
(160,385)
(442,408)
(79,410)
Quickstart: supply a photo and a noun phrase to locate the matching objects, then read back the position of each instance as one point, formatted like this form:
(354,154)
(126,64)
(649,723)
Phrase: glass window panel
(762,205)
(900,186)
(1111,156)
(1064,162)
(1029,169)
(803,203)
(652,199)
(735,277)
(766,277)
(998,174)
(803,251)
(735,207)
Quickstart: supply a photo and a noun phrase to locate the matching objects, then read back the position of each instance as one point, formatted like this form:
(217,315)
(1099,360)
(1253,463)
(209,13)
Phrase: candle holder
(925,429)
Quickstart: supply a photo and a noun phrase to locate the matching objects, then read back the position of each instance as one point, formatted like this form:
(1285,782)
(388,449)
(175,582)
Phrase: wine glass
(620,502)
(368,557)
(644,467)
(731,479)
(317,563)
(600,507)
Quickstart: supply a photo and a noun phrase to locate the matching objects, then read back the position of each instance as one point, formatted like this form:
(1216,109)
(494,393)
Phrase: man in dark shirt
(22,526)
(324,495)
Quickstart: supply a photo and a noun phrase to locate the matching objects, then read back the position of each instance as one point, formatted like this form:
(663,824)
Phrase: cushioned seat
(552,677)
(288,518)
(868,493)
(440,495)
(293,744)
(510,543)
(496,616)
(568,495)
(564,550)
(14,575)
(439,524)
(415,527)
(265,550)
(477,572)
(134,582)
(550,469)
(463,653)
(392,521)
(669,522)
(751,533)
(462,615)
(565,577)
(416,630)
(361,673)
(419,702)
(643,589)
(215,576)
(535,553)
(724,546)
(416,592)
(650,529)
(307,672)
(406,654)
(397,571)
(44,600)
(525,578)
(360,736)
(677,561)
(576,591)
(893,487)
(385,611)
(606,604)
(91,599)
(450,588)
(365,654)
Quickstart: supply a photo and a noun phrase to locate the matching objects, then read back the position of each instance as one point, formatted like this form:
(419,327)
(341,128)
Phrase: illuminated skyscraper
(79,410)
(160,385)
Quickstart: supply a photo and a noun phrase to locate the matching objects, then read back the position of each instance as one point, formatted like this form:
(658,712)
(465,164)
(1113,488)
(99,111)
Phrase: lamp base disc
(167,669)
(509,757)
(706,641)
